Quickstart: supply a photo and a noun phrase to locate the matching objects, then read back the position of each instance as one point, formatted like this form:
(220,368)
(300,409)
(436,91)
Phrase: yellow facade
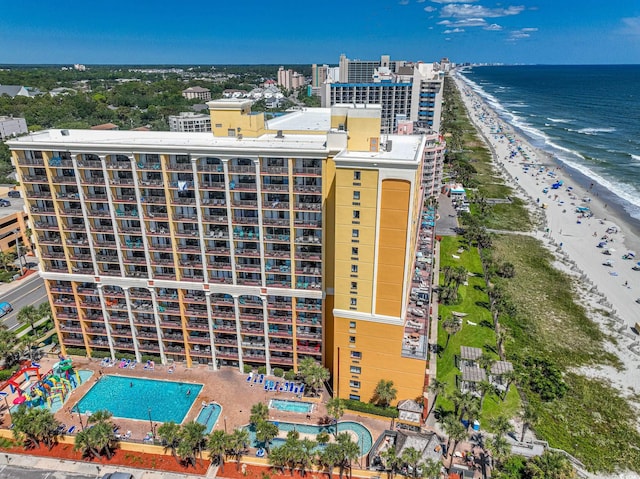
(234,118)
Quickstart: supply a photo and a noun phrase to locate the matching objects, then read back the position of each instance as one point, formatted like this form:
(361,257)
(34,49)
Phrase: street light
(225,424)
(153,431)
(77,409)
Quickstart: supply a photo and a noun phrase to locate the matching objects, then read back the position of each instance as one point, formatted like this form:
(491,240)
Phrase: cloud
(454,1)
(631,26)
(403,2)
(455,30)
(430,9)
(420,1)
(520,34)
(494,27)
(465,22)
(457,10)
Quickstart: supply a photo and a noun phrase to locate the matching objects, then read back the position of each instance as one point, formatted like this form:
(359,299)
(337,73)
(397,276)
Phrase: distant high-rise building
(290,79)
(400,87)
(190,121)
(319,74)
(197,93)
(12,126)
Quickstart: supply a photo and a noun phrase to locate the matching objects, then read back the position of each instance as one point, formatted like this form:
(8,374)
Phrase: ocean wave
(592,131)
(635,157)
(559,120)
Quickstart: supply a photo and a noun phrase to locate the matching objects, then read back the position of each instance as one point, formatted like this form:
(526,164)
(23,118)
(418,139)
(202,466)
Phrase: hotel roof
(313,119)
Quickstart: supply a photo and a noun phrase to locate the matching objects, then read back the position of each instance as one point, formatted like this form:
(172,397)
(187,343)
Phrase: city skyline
(524,31)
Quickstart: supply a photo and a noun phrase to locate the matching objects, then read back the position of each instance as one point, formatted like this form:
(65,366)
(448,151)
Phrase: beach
(577,224)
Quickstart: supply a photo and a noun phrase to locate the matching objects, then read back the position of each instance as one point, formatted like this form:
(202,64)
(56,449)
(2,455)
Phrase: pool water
(363,436)
(141,399)
(291,406)
(209,415)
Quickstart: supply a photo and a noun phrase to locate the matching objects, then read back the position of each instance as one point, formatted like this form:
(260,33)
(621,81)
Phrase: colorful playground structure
(55,385)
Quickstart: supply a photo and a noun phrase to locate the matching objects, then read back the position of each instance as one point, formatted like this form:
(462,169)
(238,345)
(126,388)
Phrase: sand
(573,237)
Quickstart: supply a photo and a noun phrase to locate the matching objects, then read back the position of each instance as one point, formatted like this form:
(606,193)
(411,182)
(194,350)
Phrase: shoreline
(608,293)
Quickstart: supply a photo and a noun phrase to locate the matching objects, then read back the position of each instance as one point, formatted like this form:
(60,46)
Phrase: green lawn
(473,301)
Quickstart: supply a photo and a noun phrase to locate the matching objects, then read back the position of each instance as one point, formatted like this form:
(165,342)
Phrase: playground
(37,389)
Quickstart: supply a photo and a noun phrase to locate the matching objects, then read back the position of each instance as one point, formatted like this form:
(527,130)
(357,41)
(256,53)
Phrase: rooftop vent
(64,132)
(388,145)
(279,134)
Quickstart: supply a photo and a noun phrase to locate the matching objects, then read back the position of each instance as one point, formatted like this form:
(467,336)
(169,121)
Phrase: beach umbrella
(19,400)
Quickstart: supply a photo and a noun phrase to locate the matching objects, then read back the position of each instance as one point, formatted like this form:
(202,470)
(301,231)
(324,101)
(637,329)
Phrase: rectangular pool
(141,399)
(291,406)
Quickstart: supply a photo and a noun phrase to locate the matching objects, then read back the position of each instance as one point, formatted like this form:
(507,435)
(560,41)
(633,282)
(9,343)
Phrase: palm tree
(265,433)
(411,457)
(103,438)
(349,451)
(456,432)
(323,438)
(451,325)
(391,460)
(217,446)
(28,315)
(44,310)
(330,457)
(278,458)
(501,425)
(6,259)
(191,442)
(436,388)
(99,416)
(169,433)
(35,425)
(85,442)
(447,272)
(529,416)
(384,393)
(551,465)
(471,410)
(431,469)
(460,275)
(499,448)
(238,442)
(306,454)
(313,374)
(484,387)
(259,412)
(467,404)
(335,409)
(8,342)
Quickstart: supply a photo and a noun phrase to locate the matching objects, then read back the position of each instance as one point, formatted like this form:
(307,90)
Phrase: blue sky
(287,31)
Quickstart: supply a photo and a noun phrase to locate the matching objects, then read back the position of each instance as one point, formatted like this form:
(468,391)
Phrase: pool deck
(227,387)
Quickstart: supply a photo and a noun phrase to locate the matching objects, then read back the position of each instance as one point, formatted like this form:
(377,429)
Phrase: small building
(471,376)
(410,412)
(497,374)
(13,91)
(10,126)
(197,93)
(469,356)
(190,121)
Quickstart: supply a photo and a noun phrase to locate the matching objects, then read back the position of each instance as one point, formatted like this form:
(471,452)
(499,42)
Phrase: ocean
(587,116)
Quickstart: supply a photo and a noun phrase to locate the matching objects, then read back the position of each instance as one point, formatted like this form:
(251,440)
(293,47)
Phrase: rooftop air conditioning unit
(279,134)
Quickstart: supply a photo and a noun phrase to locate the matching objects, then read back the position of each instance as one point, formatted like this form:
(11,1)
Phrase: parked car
(118,475)
(4,202)
(14,194)
(5,308)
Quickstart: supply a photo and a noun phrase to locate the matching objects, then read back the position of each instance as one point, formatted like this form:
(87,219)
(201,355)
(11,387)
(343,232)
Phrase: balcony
(303,171)
(275,188)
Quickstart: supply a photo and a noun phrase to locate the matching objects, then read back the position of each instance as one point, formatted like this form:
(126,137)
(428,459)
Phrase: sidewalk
(91,469)
(30,275)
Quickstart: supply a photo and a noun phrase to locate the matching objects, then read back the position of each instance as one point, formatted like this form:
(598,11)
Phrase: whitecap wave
(635,157)
(559,120)
(592,131)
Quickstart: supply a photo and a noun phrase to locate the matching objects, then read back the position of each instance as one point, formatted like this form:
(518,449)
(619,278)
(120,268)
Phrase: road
(21,472)
(31,291)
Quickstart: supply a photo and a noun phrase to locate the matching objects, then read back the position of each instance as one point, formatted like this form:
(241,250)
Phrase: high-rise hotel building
(257,243)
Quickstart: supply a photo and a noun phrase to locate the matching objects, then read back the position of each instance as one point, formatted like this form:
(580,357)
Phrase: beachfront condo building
(258,243)
(405,90)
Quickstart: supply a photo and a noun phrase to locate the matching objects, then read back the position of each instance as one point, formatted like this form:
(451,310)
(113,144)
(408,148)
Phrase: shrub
(247,368)
(370,408)
(76,352)
(278,372)
(290,375)
(262,370)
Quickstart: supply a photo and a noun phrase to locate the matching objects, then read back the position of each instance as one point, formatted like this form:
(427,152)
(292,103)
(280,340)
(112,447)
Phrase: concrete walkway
(89,468)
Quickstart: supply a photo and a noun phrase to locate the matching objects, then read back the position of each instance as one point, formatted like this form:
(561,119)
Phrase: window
(354,251)
(354,268)
(352,339)
(355,369)
(352,324)
(355,233)
(354,397)
(356,214)
(356,195)
(356,355)
(354,384)
(356,176)
(231,132)
(354,301)
(354,285)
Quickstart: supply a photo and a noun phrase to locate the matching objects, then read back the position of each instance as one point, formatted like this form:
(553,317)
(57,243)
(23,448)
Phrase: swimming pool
(142,399)
(291,406)
(209,415)
(362,435)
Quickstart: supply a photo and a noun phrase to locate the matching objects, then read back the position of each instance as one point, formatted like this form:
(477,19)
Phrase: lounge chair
(261,380)
(301,390)
(276,386)
(295,390)
(71,430)
(133,364)
(249,377)
(255,378)
(266,386)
